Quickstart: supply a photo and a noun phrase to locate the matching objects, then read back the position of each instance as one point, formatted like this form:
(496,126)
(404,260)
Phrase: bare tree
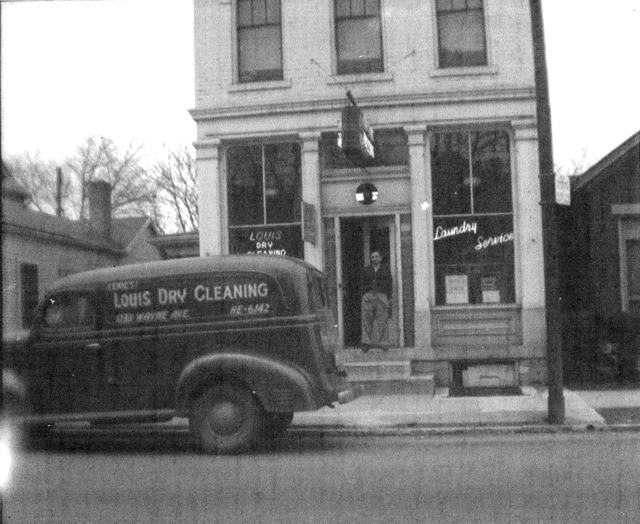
(177,196)
(38,177)
(99,158)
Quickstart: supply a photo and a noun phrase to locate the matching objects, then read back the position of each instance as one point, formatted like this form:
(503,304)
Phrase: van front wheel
(227,418)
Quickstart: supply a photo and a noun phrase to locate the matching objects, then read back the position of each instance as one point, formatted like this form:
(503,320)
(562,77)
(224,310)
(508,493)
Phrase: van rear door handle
(93,345)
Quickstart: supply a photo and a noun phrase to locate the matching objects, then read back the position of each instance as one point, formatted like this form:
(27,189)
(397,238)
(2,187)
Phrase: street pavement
(439,411)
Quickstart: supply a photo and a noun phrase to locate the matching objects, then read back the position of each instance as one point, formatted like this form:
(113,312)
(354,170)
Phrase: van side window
(317,295)
(69,310)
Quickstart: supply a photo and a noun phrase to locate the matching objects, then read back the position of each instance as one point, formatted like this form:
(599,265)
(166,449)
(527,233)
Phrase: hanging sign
(356,135)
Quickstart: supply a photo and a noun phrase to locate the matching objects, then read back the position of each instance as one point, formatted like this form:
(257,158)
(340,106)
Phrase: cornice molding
(372,102)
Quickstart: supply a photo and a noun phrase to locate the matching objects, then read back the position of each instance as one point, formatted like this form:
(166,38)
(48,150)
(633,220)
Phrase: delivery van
(237,344)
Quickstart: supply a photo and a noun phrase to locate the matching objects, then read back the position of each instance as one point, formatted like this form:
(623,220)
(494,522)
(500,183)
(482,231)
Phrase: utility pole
(556,413)
(59,191)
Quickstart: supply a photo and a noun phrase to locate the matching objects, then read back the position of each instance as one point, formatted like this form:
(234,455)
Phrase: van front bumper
(350,394)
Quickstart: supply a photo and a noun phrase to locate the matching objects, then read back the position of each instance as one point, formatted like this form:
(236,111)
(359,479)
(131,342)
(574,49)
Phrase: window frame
(237,50)
(336,47)
(453,69)
(514,278)
(64,329)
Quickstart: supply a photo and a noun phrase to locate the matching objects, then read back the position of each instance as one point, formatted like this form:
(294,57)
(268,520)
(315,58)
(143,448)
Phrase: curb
(457,430)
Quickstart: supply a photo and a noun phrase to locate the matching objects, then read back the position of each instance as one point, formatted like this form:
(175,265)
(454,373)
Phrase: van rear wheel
(227,418)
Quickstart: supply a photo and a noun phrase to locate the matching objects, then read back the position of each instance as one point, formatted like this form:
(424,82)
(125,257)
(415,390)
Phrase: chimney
(100,208)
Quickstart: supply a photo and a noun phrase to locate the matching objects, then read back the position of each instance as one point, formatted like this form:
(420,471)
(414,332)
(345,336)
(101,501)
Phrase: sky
(124,69)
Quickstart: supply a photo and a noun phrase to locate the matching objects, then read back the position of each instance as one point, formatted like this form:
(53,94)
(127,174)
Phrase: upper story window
(391,148)
(259,40)
(461,33)
(472,218)
(358,36)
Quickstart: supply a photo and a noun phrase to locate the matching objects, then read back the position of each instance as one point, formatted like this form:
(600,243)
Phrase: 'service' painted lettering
(484,243)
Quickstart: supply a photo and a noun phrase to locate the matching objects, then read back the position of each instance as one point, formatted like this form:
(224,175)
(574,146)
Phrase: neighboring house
(448,89)
(38,248)
(600,263)
(178,245)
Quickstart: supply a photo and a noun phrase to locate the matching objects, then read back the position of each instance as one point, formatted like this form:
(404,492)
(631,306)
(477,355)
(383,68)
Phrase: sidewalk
(441,411)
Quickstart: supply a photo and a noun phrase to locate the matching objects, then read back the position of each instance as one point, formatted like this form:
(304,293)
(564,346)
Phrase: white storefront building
(448,89)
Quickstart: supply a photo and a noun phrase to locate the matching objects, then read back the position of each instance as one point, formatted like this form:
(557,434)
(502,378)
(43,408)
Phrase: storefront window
(472,218)
(264,199)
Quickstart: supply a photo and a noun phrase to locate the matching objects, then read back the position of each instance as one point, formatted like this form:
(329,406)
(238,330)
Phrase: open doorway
(359,236)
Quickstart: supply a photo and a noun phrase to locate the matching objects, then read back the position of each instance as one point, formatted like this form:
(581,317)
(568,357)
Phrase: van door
(69,361)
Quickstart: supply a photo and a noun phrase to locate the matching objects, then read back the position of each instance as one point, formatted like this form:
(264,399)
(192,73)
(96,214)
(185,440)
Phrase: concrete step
(414,385)
(378,370)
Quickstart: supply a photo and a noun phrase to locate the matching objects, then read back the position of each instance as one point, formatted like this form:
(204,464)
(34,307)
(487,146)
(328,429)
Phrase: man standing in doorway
(375,289)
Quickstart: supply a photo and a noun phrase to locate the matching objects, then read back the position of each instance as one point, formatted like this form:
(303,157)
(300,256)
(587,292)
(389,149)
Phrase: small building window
(259,40)
(264,196)
(632,276)
(390,147)
(461,33)
(472,218)
(29,292)
(358,36)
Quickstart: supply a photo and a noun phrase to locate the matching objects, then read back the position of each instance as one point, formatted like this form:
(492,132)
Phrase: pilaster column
(530,216)
(420,222)
(210,217)
(311,193)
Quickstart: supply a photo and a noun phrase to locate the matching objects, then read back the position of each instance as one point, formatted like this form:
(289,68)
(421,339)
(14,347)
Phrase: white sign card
(457,287)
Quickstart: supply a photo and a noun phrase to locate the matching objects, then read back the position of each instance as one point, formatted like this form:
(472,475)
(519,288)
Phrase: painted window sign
(266,240)
(483,251)
(473,228)
(204,298)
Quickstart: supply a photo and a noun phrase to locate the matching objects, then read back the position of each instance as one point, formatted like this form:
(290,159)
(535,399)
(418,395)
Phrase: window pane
(450,174)
(491,172)
(69,311)
(259,12)
(357,7)
(244,185)
(474,259)
(28,292)
(633,268)
(343,8)
(359,46)
(461,39)
(372,7)
(283,183)
(273,11)
(244,13)
(260,54)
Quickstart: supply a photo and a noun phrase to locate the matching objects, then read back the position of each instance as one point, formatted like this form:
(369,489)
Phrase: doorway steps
(385,373)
